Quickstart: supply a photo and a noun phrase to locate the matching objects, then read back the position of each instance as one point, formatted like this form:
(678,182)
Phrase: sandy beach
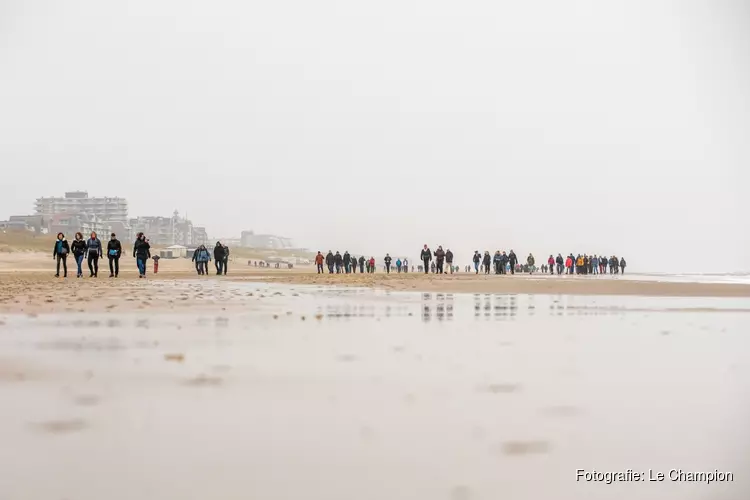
(28,285)
(284,384)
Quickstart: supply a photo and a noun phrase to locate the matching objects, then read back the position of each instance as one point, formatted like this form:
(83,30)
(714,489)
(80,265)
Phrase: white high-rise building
(78,202)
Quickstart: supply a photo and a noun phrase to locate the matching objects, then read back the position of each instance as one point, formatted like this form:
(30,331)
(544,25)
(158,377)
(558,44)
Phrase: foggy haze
(579,126)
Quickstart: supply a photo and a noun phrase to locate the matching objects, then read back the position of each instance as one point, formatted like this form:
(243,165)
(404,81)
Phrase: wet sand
(338,394)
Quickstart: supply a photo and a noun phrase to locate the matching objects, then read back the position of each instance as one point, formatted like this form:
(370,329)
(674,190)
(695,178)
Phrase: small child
(156,263)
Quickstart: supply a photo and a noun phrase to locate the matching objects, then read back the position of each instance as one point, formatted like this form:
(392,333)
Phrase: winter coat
(439,255)
(142,250)
(387,260)
(449,257)
(477,258)
(426,255)
(487,259)
(329,259)
(94,246)
(78,247)
(61,248)
(512,259)
(114,248)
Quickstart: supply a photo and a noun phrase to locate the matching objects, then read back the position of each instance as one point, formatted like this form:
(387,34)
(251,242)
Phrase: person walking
(398,264)
(338,261)
(319,262)
(477,259)
(449,259)
(388,261)
(201,257)
(426,257)
(487,261)
(559,261)
(226,259)
(372,264)
(219,258)
(155,258)
(513,260)
(141,253)
(361,264)
(622,265)
(329,262)
(551,264)
(406,265)
(497,260)
(439,259)
(594,264)
(60,253)
(114,251)
(347,261)
(93,252)
(78,249)
(530,262)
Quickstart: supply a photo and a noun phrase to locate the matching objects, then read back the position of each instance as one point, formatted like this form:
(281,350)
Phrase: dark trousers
(439,267)
(354,267)
(388,268)
(219,266)
(362,267)
(225,262)
(64,260)
(93,261)
(497,267)
(330,268)
(320,268)
(114,265)
(486,269)
(559,268)
(426,266)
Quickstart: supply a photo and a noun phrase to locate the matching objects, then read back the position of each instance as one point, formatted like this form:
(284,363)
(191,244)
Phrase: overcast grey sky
(586,126)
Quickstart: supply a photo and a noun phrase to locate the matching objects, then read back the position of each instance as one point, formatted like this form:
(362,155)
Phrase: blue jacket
(93,245)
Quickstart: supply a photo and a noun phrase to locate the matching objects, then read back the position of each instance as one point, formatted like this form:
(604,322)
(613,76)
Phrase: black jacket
(64,248)
(439,254)
(559,260)
(477,257)
(338,259)
(512,259)
(387,259)
(219,253)
(329,259)
(622,263)
(487,259)
(362,260)
(426,255)
(78,247)
(347,257)
(114,245)
(449,257)
(142,250)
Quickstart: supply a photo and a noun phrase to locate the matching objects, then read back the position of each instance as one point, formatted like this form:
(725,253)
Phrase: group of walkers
(202,257)
(347,263)
(441,261)
(92,250)
(585,264)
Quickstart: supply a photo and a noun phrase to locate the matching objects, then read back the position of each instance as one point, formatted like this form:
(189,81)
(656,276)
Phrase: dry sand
(27,285)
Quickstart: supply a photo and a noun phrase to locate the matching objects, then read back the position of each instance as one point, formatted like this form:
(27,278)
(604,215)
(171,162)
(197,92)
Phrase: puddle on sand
(378,395)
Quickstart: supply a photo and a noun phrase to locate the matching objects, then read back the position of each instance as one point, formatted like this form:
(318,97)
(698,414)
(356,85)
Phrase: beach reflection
(335,394)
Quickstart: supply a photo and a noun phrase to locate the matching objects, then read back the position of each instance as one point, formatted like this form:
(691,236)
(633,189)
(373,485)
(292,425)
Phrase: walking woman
(78,248)
(94,252)
(141,253)
(114,251)
(60,253)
